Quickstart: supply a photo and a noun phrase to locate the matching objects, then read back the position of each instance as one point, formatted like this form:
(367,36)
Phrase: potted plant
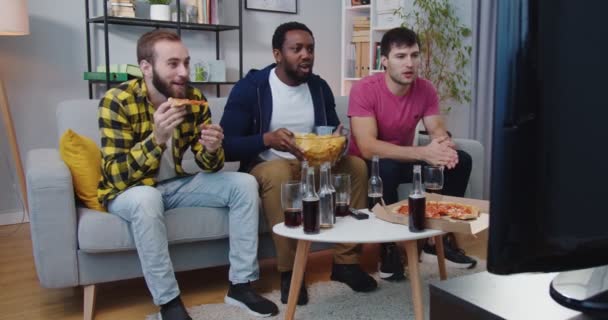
(160,9)
(445,55)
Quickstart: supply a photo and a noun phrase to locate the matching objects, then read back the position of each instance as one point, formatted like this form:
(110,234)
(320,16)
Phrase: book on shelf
(377,60)
(123,4)
(360,39)
(101,76)
(351,69)
(208,11)
(129,69)
(123,14)
(365,58)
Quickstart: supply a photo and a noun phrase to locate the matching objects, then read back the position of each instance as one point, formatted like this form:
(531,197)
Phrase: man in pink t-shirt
(384,110)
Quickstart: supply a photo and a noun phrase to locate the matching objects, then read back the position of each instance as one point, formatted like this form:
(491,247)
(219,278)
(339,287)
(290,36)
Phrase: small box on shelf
(209,71)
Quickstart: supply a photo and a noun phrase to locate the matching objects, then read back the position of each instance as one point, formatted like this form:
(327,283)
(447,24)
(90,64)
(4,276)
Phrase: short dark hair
(145,44)
(278,38)
(399,37)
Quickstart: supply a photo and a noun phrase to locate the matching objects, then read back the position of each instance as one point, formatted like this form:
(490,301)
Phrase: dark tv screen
(549,175)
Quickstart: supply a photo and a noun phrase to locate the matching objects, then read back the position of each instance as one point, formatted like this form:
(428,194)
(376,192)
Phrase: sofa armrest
(53,220)
(476,151)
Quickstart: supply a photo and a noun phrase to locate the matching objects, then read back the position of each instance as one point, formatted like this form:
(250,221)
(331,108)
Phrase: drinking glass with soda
(291,202)
(341,183)
(433,179)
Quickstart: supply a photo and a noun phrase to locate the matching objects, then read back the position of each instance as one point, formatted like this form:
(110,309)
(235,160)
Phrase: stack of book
(123,8)
(360,39)
(118,72)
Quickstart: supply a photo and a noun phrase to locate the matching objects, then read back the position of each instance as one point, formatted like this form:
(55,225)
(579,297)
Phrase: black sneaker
(454,256)
(242,295)
(353,276)
(174,310)
(285,284)
(391,262)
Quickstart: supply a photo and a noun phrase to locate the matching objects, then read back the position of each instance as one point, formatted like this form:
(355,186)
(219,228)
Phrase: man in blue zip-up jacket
(261,114)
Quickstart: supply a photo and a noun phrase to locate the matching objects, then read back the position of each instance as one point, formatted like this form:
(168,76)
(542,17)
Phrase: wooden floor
(21,296)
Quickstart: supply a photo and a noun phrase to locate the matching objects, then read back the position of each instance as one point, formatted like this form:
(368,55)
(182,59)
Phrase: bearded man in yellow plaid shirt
(143,141)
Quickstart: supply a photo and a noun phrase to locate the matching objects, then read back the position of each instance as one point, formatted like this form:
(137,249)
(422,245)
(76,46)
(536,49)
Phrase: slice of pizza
(460,211)
(175,102)
(404,209)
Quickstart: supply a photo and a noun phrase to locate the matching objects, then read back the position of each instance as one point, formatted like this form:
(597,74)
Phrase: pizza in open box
(440,209)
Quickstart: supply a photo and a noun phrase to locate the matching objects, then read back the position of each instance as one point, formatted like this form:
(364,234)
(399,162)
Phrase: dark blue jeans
(393,173)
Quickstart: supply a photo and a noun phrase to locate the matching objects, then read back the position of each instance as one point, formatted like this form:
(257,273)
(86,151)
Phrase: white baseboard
(13,217)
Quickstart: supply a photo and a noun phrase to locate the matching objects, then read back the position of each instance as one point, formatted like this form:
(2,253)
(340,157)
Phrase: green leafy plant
(445,56)
(166,2)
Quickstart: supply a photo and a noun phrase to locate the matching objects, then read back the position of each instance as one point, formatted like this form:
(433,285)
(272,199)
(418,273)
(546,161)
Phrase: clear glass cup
(433,179)
(291,202)
(341,183)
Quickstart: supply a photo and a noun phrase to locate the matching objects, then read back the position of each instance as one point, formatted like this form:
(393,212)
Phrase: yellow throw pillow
(83,157)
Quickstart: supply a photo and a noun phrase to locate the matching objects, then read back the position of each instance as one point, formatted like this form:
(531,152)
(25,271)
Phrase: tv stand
(584,290)
(488,296)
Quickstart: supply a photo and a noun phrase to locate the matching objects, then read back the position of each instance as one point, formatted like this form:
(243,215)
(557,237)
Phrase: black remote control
(358,215)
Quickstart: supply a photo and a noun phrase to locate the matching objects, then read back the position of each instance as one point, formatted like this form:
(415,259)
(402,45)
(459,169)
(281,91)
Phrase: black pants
(393,173)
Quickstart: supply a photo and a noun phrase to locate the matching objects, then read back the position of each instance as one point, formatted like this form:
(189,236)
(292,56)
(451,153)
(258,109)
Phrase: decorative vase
(160,12)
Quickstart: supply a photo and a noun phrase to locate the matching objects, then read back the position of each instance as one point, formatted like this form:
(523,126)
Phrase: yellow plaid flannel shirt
(130,157)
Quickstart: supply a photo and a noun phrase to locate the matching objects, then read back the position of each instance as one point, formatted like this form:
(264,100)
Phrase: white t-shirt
(292,109)
(167,165)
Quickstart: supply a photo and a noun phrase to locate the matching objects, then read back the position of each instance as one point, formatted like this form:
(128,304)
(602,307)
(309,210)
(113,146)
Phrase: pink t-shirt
(396,117)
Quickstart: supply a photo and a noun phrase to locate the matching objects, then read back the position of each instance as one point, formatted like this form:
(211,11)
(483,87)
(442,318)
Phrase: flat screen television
(549,175)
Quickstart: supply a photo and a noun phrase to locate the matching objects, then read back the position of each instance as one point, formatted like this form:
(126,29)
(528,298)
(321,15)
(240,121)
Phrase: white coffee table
(372,230)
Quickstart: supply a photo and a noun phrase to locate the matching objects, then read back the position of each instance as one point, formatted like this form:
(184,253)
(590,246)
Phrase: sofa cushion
(83,158)
(99,232)
(102,232)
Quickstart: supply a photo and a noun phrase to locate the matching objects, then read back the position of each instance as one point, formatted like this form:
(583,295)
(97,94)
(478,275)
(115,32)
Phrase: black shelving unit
(106,20)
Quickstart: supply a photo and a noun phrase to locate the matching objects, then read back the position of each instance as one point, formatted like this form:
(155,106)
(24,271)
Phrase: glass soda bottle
(374,185)
(326,199)
(417,203)
(310,204)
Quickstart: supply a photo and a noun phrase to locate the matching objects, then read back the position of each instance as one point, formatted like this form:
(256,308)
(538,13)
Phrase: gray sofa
(75,246)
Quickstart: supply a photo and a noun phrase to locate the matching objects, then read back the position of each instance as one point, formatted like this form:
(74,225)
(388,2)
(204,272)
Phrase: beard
(299,77)
(164,87)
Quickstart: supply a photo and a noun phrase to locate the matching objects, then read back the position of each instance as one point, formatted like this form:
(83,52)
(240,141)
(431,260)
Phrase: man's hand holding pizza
(166,119)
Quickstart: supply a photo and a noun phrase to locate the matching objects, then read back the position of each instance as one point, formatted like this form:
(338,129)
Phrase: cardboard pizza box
(449,225)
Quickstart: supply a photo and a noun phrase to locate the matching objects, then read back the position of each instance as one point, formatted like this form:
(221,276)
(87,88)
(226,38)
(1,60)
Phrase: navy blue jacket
(249,109)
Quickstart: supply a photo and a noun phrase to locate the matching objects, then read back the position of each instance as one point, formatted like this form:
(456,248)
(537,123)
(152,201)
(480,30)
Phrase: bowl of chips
(323,146)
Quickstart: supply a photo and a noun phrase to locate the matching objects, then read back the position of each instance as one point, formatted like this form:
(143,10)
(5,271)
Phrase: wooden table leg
(297,275)
(411,247)
(440,257)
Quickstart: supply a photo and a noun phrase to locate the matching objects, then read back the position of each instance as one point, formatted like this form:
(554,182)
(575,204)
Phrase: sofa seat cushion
(102,232)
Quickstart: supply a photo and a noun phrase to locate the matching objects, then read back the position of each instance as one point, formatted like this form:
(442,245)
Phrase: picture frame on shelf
(281,6)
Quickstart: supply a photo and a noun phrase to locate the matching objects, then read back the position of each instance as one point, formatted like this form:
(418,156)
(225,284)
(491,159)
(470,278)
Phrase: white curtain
(484,52)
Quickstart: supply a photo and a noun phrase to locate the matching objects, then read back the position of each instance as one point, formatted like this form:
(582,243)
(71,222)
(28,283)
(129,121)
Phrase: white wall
(46,67)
